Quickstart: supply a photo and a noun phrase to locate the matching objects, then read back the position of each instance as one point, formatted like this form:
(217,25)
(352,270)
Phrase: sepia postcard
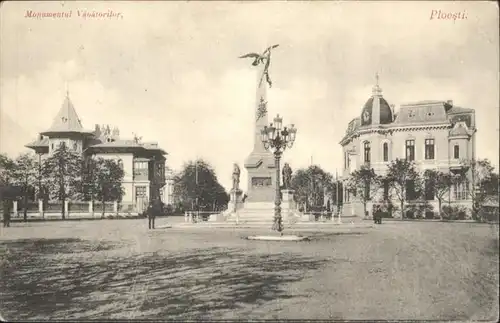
(249,160)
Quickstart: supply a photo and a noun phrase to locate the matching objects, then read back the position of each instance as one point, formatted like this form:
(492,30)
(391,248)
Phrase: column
(66,208)
(40,208)
(14,208)
(91,208)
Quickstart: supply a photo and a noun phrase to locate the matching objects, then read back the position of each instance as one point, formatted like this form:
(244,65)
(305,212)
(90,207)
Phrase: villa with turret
(143,162)
(433,134)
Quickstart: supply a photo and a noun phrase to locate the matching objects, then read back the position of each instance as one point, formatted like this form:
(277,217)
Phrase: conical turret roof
(66,120)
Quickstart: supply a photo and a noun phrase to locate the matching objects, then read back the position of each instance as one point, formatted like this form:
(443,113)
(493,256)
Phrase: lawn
(119,270)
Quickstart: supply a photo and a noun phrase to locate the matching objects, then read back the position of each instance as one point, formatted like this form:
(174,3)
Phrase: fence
(198,216)
(75,208)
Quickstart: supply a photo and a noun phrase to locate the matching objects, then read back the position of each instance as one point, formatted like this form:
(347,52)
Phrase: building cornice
(393,128)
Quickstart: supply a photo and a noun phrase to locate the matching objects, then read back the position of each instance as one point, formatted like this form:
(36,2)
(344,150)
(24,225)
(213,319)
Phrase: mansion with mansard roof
(434,134)
(143,162)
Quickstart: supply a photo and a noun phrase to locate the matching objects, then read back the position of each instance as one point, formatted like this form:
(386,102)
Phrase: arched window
(385,149)
(456,152)
(367,152)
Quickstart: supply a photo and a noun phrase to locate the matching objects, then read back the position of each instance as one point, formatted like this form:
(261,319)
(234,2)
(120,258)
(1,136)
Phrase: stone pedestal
(260,164)
(236,200)
(287,203)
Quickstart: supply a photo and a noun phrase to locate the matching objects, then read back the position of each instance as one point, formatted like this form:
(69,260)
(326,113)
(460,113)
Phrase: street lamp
(277,140)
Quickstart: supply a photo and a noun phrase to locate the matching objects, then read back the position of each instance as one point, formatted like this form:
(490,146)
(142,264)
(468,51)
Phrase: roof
(456,109)
(422,112)
(128,144)
(459,130)
(66,120)
(367,112)
(39,143)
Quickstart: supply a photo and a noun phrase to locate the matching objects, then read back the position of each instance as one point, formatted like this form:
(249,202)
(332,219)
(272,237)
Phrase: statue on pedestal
(236,177)
(287,177)
(264,58)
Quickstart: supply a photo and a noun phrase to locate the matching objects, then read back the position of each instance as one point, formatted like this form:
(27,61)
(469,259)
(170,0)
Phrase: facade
(143,163)
(434,134)
(167,192)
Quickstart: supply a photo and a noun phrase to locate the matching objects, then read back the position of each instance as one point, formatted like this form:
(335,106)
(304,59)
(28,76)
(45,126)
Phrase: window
(461,190)
(367,152)
(429,191)
(385,148)
(386,190)
(410,190)
(140,167)
(75,146)
(429,148)
(410,150)
(140,191)
(52,146)
(456,152)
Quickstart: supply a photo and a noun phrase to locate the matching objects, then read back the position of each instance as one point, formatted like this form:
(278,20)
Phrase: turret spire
(377,91)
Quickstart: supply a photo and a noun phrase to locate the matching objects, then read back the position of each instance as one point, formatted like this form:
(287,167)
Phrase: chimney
(450,102)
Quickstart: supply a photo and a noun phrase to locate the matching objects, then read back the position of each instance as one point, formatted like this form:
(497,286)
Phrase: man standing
(154,209)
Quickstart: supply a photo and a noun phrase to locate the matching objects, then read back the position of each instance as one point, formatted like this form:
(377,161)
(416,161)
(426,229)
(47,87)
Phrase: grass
(119,270)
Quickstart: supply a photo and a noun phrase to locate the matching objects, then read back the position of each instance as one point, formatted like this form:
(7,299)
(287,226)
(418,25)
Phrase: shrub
(454,212)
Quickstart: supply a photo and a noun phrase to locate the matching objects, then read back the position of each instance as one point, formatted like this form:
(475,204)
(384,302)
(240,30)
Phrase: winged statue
(264,58)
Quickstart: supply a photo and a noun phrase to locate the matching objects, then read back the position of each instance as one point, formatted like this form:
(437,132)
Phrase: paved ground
(117,269)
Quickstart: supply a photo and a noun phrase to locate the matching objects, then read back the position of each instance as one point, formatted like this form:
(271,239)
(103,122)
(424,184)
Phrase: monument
(236,193)
(260,164)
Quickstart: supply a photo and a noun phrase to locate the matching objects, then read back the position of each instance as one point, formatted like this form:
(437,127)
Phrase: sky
(170,72)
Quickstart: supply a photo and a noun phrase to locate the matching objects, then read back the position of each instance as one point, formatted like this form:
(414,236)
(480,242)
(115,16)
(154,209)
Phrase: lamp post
(277,139)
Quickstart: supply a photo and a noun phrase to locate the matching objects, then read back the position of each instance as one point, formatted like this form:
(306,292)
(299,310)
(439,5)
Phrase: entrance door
(141,199)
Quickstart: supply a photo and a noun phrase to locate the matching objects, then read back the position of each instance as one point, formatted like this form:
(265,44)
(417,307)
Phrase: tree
(311,185)
(440,183)
(26,176)
(8,191)
(62,174)
(364,183)
(102,180)
(197,186)
(403,178)
(7,166)
(482,179)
